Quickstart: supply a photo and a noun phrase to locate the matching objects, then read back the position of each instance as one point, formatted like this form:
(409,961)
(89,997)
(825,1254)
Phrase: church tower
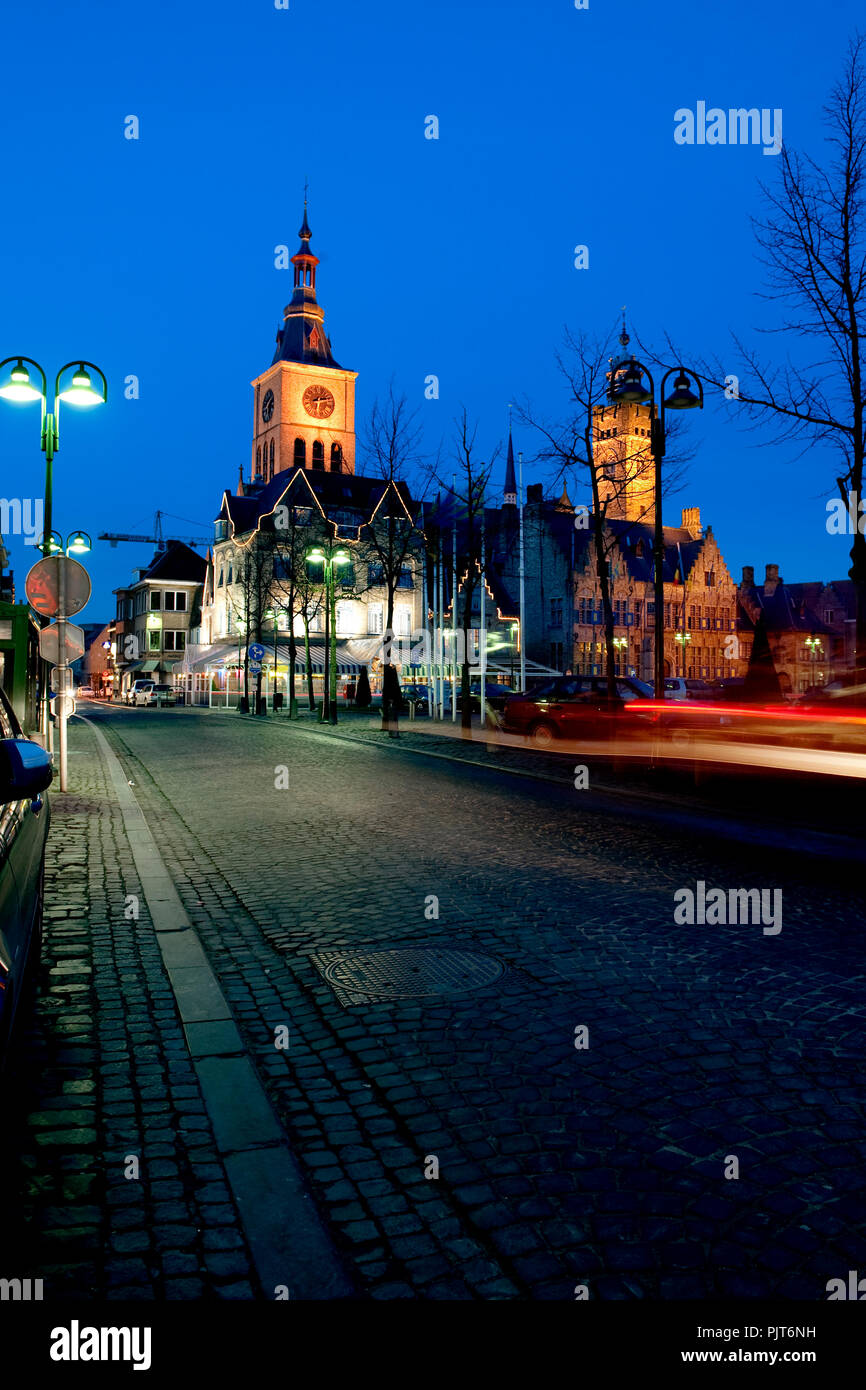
(621,445)
(305,402)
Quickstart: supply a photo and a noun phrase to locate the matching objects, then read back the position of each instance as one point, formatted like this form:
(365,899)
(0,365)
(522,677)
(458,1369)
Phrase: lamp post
(683,638)
(78,543)
(274,614)
(328,556)
(627,387)
(19,388)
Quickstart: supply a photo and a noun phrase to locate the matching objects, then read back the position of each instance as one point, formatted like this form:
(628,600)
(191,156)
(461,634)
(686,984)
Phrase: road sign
(255,668)
(61,680)
(73,646)
(42,586)
(62,706)
(256,651)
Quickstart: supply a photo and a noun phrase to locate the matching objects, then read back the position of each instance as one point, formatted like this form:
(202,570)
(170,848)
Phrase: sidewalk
(119,1166)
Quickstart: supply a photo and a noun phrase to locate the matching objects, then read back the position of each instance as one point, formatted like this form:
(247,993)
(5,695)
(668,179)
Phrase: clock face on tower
(318,402)
(268,406)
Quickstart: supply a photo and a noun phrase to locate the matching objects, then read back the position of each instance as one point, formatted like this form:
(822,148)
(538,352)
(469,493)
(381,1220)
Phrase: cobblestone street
(456,1145)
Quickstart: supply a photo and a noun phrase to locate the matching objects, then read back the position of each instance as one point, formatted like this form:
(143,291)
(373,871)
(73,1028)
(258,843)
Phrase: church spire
(302,337)
(509,495)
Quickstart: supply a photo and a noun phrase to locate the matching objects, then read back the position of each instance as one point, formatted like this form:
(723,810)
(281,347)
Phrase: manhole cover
(374,977)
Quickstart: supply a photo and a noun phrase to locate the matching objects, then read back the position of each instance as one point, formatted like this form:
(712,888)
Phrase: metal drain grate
(375,977)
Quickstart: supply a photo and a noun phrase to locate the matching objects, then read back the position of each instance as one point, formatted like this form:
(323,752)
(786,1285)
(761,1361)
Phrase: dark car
(413,694)
(728,690)
(495,696)
(572,707)
(25,772)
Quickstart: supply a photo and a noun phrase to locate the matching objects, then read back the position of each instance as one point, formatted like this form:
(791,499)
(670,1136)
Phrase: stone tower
(305,402)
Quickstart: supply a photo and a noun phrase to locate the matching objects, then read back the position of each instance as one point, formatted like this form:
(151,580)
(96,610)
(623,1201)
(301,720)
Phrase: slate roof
(784,610)
(334,492)
(177,561)
(641,566)
(294,339)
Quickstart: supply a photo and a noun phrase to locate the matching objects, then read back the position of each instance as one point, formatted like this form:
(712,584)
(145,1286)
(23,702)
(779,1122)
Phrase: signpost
(49,645)
(57,587)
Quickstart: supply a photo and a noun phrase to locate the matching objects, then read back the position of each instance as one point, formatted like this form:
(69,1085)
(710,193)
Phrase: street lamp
(683,638)
(627,386)
(328,556)
(81,392)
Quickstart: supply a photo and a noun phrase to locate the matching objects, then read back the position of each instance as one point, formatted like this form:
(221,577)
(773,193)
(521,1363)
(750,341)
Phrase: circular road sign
(42,586)
(256,651)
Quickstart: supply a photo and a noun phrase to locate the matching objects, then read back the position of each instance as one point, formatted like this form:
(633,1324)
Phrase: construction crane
(156,539)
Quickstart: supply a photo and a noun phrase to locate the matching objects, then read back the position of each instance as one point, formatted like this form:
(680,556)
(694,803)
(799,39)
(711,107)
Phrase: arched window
(259,460)
(336,458)
(272,458)
(318,454)
(300,453)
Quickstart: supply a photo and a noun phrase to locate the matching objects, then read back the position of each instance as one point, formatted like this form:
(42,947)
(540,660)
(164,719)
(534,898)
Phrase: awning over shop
(223,657)
(150,666)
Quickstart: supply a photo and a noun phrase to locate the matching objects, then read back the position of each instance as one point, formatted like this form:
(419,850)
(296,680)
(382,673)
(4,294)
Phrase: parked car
(134,689)
(679,688)
(572,707)
(729,689)
(153,694)
(86,690)
(495,696)
(415,694)
(25,772)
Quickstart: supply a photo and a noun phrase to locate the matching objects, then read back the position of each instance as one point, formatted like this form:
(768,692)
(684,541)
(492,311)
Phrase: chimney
(692,522)
(748,579)
(771,579)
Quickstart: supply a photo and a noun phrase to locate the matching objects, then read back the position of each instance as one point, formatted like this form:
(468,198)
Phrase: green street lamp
(328,557)
(20,389)
(78,543)
(627,387)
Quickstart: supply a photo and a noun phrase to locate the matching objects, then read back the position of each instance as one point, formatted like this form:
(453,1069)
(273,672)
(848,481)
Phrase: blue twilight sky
(455,256)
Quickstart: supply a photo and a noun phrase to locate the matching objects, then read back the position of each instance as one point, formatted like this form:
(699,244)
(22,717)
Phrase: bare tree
(467,492)
(569,447)
(391,535)
(293,589)
(254,578)
(813,243)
